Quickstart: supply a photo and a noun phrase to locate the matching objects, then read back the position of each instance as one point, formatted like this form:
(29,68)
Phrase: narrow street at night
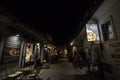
(60,40)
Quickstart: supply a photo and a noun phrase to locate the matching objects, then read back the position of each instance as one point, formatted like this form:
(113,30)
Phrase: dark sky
(60,19)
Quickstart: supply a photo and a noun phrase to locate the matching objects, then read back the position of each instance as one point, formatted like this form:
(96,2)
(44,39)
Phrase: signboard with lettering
(12,49)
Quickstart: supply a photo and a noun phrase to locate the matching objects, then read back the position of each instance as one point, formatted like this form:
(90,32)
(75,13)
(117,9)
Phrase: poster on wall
(92,32)
(11,50)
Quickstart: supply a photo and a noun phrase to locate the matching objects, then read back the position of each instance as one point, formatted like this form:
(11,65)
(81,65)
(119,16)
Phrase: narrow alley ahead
(64,70)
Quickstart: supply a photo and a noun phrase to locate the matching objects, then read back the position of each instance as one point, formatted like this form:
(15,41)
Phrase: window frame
(105,29)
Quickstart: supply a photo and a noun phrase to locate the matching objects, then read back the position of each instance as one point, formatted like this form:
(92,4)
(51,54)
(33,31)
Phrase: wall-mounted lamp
(38,44)
(72,43)
(17,35)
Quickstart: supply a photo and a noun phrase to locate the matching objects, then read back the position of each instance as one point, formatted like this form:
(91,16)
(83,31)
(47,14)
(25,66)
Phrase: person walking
(75,59)
(32,60)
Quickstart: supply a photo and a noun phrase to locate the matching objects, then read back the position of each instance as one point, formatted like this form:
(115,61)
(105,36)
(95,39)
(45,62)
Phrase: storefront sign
(11,49)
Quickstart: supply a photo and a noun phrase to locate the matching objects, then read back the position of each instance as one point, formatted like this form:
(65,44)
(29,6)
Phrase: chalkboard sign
(12,49)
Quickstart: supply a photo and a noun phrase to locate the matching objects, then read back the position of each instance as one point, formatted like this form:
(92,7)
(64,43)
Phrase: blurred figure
(75,59)
(56,56)
(32,60)
(70,57)
(37,63)
(46,56)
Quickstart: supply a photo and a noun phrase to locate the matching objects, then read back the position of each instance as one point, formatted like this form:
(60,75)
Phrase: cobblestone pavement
(64,70)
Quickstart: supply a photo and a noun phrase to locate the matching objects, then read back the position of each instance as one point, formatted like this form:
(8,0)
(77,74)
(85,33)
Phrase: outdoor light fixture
(72,43)
(17,35)
(38,44)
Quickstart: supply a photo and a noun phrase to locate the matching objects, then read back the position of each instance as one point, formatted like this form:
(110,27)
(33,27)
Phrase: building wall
(107,9)
(3,29)
(110,8)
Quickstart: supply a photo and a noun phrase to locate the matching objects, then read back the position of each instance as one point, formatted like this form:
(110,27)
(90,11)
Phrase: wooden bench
(15,75)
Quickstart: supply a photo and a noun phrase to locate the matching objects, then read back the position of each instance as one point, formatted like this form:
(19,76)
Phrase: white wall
(102,15)
(108,8)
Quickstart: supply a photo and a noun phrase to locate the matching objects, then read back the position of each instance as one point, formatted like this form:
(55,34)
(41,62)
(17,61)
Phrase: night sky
(59,19)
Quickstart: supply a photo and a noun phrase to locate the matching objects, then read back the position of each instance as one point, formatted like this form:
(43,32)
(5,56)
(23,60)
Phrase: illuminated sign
(92,32)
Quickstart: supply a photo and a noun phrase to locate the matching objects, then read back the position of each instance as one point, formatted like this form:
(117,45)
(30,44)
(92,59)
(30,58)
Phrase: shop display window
(28,52)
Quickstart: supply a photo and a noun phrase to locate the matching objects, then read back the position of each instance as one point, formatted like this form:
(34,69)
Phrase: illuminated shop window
(92,32)
(28,52)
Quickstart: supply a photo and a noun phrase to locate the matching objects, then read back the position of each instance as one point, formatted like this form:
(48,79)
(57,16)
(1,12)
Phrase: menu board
(12,49)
